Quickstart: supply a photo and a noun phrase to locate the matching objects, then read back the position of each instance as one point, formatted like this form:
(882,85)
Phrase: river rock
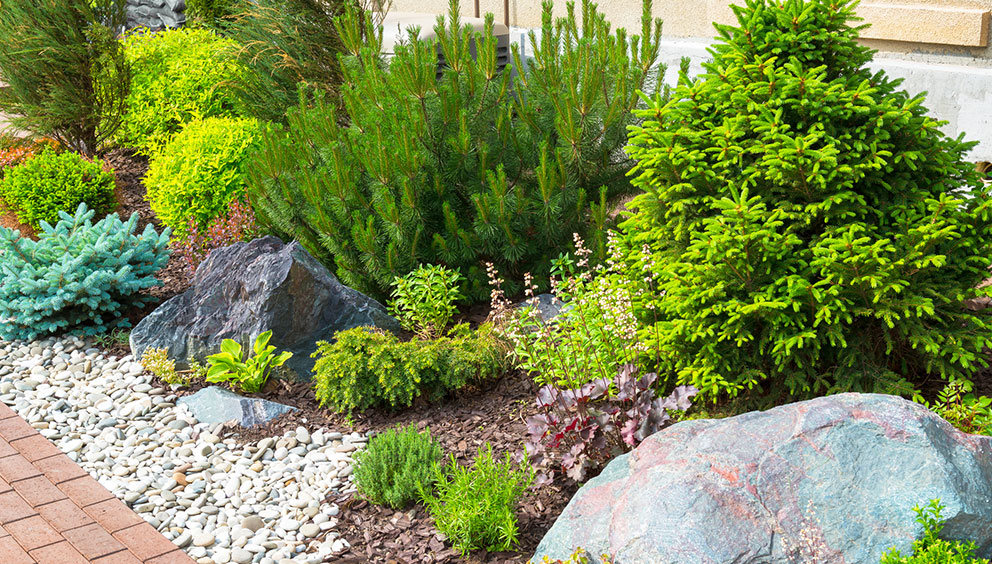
(247,288)
(218,405)
(846,469)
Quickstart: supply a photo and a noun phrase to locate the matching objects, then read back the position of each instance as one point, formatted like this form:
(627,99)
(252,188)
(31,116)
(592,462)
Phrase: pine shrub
(180,76)
(396,465)
(471,167)
(79,277)
(367,368)
(805,220)
(65,72)
(197,176)
(43,186)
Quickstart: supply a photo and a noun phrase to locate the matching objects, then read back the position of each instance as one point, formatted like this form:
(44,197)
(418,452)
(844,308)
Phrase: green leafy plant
(158,362)
(424,300)
(180,76)
(476,508)
(471,166)
(78,277)
(249,373)
(366,368)
(580,556)
(209,13)
(933,550)
(113,338)
(198,175)
(43,186)
(960,407)
(65,72)
(808,226)
(396,465)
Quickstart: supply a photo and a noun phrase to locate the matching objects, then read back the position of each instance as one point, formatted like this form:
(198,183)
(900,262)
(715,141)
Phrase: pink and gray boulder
(830,480)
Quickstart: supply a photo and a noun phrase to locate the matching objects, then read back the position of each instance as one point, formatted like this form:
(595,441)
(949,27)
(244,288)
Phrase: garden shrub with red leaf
(194,245)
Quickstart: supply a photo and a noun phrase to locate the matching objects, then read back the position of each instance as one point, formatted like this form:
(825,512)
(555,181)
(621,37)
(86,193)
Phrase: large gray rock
(156,14)
(846,469)
(217,405)
(245,289)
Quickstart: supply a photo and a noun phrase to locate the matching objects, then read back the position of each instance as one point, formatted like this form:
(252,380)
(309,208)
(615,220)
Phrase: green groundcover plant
(180,76)
(461,168)
(807,224)
(42,186)
(396,465)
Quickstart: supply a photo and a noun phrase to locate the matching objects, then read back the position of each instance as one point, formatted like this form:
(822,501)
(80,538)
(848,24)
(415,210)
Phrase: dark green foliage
(66,74)
(933,550)
(49,183)
(476,508)
(470,168)
(396,465)
(180,76)
(287,45)
(805,221)
(367,368)
(960,407)
(78,277)
(209,13)
(200,172)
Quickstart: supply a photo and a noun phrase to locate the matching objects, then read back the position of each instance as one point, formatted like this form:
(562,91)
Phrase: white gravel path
(261,503)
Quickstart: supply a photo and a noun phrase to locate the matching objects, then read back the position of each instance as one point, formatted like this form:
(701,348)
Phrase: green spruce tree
(64,69)
(806,224)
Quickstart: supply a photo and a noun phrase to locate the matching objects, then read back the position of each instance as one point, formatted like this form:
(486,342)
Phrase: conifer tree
(468,168)
(805,221)
(64,69)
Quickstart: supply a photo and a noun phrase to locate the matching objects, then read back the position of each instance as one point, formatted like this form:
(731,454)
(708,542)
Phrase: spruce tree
(64,69)
(463,169)
(805,222)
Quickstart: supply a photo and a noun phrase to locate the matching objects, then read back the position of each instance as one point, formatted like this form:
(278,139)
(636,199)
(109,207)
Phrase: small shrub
(15,151)
(209,13)
(584,428)
(963,409)
(366,367)
(180,76)
(193,246)
(247,371)
(396,465)
(810,227)
(476,508)
(196,176)
(42,187)
(933,550)
(580,556)
(78,277)
(424,300)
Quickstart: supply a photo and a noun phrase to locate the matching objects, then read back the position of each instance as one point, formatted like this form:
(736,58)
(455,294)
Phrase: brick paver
(53,512)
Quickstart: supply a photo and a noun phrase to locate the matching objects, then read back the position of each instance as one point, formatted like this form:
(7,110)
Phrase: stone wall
(156,14)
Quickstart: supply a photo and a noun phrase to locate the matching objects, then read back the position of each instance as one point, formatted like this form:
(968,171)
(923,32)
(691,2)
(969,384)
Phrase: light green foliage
(476,508)
(209,13)
(197,175)
(157,362)
(249,373)
(424,300)
(65,74)
(46,184)
(180,76)
(113,337)
(960,407)
(933,550)
(395,465)
(366,368)
(580,556)
(808,225)
(78,277)
(470,167)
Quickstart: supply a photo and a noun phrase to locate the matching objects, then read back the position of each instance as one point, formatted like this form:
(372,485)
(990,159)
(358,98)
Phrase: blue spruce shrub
(78,276)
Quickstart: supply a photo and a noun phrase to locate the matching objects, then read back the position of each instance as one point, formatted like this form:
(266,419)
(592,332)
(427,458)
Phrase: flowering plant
(195,244)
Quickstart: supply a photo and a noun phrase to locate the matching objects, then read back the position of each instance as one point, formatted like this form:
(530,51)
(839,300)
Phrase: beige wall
(919,27)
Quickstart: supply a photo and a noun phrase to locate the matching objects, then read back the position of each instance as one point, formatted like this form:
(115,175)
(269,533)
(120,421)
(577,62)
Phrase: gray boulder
(245,289)
(217,405)
(831,480)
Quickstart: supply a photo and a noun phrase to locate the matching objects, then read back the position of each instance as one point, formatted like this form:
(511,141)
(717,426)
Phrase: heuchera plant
(588,426)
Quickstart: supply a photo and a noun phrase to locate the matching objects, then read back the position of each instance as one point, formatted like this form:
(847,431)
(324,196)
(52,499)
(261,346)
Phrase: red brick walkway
(53,512)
